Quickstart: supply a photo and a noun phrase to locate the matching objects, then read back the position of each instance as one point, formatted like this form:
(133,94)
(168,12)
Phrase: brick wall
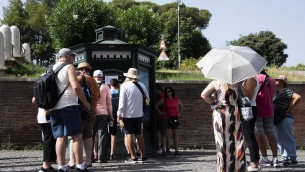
(18,124)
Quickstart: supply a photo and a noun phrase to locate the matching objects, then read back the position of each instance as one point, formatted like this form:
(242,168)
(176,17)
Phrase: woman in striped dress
(227,126)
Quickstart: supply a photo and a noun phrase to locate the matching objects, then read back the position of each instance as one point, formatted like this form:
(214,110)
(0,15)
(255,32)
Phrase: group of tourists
(87,111)
(272,103)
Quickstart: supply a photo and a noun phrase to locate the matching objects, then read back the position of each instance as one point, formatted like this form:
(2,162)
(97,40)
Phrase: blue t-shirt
(115,94)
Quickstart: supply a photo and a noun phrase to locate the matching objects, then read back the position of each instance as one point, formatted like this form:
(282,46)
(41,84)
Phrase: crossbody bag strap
(56,72)
(141,89)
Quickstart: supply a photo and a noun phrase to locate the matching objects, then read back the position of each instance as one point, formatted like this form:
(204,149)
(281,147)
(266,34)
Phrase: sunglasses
(168,91)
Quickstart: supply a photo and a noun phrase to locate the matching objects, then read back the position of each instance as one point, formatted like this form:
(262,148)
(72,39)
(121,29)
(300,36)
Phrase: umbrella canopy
(231,64)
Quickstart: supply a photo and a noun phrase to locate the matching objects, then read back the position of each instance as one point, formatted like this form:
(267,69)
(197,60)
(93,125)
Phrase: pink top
(101,107)
(172,106)
(264,99)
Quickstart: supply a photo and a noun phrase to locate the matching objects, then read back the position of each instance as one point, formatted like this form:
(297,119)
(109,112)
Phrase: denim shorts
(66,121)
(264,125)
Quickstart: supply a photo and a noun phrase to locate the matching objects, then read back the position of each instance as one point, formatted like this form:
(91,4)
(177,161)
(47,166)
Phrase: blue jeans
(285,138)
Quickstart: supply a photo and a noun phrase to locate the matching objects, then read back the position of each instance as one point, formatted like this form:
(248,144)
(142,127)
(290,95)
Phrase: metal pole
(179,55)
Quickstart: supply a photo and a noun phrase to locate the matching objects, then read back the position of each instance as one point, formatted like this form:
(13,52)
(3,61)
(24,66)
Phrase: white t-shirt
(69,98)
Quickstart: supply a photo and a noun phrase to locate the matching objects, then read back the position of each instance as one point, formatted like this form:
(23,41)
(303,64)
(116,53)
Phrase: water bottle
(110,124)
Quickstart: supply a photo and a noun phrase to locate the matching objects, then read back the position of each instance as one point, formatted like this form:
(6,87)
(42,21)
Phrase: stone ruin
(11,50)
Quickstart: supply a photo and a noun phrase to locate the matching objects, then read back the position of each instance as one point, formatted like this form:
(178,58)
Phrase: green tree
(192,42)
(267,45)
(74,21)
(141,25)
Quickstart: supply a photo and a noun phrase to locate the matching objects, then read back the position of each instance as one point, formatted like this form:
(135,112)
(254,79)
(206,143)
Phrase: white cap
(98,73)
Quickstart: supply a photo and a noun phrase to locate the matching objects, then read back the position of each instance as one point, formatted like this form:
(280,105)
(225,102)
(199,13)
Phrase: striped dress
(228,133)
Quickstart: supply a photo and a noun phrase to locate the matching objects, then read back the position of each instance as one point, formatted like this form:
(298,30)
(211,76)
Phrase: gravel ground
(190,160)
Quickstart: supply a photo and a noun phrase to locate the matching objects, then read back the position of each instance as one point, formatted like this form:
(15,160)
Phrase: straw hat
(283,78)
(84,65)
(132,73)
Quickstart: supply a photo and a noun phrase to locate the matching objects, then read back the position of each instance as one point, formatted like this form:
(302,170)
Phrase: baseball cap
(98,73)
(65,52)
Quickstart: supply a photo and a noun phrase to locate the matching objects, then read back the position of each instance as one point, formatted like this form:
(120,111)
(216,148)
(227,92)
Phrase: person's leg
(88,146)
(280,131)
(49,154)
(260,136)
(175,139)
(87,140)
(248,130)
(269,131)
(113,141)
(72,159)
(61,150)
(289,140)
(130,145)
(164,139)
(102,133)
(140,140)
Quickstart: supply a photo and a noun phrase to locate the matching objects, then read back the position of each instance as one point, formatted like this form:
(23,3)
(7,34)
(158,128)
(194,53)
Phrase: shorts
(87,127)
(264,125)
(162,125)
(133,125)
(114,128)
(66,121)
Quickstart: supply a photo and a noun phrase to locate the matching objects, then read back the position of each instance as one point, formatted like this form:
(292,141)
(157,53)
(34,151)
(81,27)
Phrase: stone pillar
(15,41)
(26,51)
(2,63)
(6,31)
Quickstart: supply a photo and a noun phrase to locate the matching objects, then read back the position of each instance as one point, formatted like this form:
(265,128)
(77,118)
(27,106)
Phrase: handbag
(246,108)
(174,121)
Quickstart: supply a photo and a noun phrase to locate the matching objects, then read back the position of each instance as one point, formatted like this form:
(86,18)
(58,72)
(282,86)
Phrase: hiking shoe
(131,161)
(290,162)
(140,160)
(264,162)
(275,163)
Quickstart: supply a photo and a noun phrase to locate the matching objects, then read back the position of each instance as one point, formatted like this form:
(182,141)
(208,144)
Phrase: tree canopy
(267,45)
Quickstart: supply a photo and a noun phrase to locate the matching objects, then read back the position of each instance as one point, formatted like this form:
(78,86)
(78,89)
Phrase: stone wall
(18,124)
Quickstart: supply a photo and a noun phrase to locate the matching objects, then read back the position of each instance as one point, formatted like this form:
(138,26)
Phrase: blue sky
(232,19)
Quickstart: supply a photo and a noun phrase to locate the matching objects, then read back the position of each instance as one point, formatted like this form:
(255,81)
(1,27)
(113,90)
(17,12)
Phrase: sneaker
(131,161)
(111,157)
(61,170)
(84,170)
(249,168)
(265,162)
(275,163)
(159,151)
(140,160)
(43,170)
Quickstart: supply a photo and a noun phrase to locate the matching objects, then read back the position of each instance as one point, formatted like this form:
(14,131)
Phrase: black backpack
(46,90)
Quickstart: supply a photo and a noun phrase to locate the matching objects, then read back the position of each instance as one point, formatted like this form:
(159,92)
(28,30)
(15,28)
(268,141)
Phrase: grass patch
(10,146)
(197,75)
